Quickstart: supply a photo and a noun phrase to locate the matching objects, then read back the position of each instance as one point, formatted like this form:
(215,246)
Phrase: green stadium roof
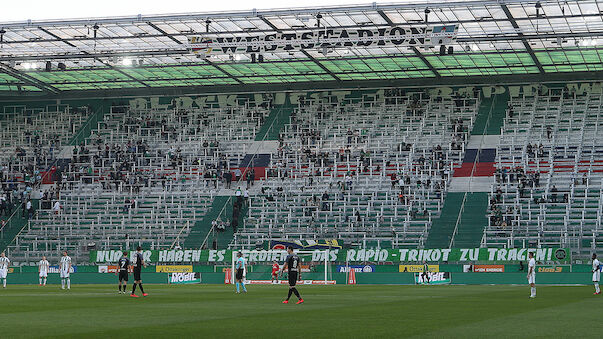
(495,38)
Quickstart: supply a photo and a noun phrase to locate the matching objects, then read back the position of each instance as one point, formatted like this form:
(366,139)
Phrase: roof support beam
(56,36)
(328,71)
(122,72)
(523,40)
(180,52)
(414,49)
(308,55)
(29,80)
(223,71)
(95,58)
(164,33)
(267,22)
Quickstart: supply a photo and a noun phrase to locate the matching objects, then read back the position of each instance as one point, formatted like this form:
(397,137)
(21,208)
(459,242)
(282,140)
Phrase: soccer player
(532,275)
(292,266)
(43,270)
(65,268)
(275,269)
(425,272)
(122,267)
(240,270)
(596,273)
(4,263)
(138,264)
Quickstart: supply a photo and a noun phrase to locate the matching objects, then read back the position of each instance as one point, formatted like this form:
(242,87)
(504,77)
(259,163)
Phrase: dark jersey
(123,264)
(292,263)
(425,268)
(138,262)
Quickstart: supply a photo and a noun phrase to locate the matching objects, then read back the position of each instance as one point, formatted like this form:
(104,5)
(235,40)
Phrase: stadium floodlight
(126,62)
(474,47)
(26,65)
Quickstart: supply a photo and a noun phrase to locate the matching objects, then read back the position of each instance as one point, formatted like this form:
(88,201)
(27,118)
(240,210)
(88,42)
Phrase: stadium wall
(468,278)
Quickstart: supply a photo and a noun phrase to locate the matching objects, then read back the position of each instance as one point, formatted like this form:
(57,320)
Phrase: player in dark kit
(139,263)
(122,269)
(292,266)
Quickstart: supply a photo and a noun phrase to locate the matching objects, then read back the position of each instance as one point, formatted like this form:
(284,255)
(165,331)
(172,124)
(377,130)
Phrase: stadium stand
(549,171)
(143,176)
(366,171)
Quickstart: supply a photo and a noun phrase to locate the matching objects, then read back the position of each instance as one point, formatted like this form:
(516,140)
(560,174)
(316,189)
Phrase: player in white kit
(4,263)
(596,273)
(64,268)
(43,270)
(532,274)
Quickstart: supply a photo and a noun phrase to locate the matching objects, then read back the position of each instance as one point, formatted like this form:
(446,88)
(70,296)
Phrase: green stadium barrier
(376,278)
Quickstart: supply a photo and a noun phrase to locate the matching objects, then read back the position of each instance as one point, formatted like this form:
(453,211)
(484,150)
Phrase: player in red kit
(275,269)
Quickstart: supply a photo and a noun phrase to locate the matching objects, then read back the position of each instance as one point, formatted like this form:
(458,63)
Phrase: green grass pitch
(215,311)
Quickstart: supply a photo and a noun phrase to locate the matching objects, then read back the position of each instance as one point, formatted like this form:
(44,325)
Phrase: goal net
(314,266)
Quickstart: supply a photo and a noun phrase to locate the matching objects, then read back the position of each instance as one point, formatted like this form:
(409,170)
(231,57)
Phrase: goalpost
(314,263)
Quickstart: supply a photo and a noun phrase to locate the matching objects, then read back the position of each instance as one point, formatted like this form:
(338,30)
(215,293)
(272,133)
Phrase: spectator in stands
(3,204)
(325,203)
(554,194)
(246,196)
(29,209)
(239,195)
(228,179)
(250,177)
(549,131)
(56,208)
(584,179)
(237,173)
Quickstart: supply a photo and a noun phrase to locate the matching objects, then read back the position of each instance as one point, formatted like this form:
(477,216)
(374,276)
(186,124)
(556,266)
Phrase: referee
(240,266)
(138,264)
(292,266)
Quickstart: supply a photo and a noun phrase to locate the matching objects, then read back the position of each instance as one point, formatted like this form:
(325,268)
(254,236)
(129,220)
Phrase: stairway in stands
(473,221)
(278,118)
(13,226)
(474,178)
(221,208)
(442,228)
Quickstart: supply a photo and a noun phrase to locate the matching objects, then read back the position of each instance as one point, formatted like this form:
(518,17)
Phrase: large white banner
(323,39)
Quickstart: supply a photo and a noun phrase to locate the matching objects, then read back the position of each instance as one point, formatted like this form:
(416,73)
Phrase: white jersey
(4,263)
(532,275)
(43,265)
(596,270)
(65,263)
(64,266)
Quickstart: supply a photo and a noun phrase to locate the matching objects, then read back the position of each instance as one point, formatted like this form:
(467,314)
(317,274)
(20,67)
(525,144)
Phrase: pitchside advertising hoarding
(174,268)
(489,268)
(501,255)
(432,278)
(184,278)
(356,268)
(418,268)
(55,269)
